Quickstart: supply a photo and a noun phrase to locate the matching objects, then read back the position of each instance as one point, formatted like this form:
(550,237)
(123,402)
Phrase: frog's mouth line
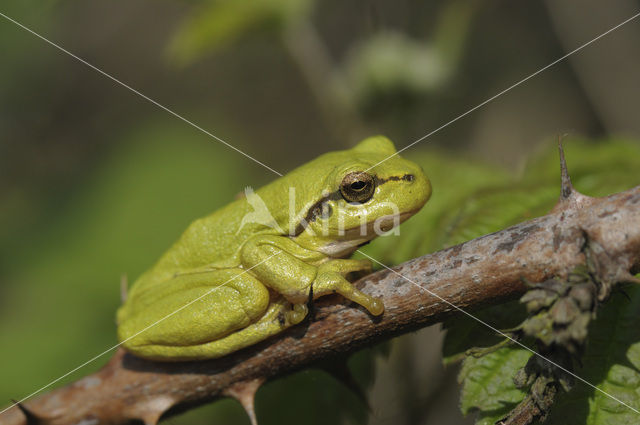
(352,238)
(375,227)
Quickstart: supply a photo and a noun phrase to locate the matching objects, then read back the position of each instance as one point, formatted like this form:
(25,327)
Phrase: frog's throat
(341,249)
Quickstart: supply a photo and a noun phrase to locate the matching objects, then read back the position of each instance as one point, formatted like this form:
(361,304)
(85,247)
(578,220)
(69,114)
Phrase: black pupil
(359,185)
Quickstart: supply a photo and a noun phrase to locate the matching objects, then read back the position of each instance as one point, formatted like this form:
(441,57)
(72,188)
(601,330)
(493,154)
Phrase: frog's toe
(366,266)
(297,313)
(375,306)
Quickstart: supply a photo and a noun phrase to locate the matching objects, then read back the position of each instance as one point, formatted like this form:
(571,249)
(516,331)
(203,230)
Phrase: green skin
(248,296)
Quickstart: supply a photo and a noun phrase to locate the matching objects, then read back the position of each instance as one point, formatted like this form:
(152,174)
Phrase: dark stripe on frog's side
(316,209)
(406,177)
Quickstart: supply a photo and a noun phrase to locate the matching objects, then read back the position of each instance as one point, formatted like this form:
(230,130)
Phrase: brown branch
(486,270)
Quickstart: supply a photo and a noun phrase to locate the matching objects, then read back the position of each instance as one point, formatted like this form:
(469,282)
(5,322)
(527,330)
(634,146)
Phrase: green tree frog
(249,270)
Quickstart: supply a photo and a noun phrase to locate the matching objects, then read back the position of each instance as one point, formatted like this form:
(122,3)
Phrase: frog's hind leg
(277,318)
(183,314)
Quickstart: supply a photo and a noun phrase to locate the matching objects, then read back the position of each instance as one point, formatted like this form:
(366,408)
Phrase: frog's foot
(329,282)
(296,314)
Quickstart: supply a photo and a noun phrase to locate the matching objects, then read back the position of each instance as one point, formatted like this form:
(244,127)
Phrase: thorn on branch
(569,197)
(150,410)
(32,418)
(245,393)
(567,188)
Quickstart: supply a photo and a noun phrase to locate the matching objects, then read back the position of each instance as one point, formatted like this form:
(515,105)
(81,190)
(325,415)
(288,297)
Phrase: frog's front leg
(293,271)
(283,266)
(331,279)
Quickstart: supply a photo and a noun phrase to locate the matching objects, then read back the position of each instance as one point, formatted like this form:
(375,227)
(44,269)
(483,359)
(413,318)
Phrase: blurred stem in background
(311,56)
(617,105)
(381,64)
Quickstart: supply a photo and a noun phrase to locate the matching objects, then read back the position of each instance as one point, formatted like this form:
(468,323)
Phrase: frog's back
(209,242)
(212,241)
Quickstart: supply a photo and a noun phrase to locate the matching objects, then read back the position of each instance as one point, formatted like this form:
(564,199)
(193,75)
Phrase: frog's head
(361,193)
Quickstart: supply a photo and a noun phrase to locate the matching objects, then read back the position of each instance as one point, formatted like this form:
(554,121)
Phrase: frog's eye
(357,187)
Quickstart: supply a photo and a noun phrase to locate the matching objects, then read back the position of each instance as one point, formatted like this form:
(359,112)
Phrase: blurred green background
(96,182)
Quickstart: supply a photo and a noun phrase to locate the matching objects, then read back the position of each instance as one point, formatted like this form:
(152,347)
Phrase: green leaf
(467,332)
(613,350)
(219,23)
(612,363)
(488,382)
(493,209)
(596,170)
